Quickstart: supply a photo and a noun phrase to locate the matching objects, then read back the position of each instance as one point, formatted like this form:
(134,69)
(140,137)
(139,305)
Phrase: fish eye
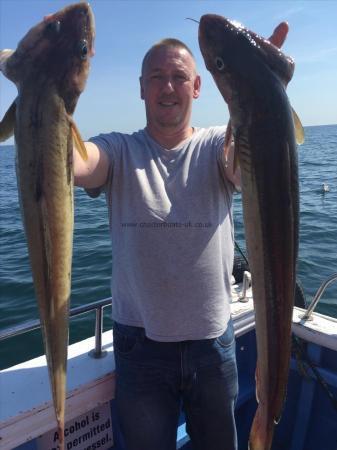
(83,46)
(53,27)
(219,63)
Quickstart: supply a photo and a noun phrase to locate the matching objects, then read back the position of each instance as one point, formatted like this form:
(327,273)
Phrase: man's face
(168,86)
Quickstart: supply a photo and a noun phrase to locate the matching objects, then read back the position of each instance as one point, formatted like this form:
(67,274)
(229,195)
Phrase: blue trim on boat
(309,420)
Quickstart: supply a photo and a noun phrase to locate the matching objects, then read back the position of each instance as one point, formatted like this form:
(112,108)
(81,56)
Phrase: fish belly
(270,232)
(45,184)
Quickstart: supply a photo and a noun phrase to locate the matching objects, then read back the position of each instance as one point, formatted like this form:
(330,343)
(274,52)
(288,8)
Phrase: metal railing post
(319,293)
(97,306)
(97,352)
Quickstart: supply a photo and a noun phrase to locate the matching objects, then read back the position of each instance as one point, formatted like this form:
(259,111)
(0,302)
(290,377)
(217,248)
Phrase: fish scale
(251,74)
(50,68)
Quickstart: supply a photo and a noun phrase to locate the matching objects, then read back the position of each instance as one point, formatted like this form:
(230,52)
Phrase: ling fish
(251,74)
(49,67)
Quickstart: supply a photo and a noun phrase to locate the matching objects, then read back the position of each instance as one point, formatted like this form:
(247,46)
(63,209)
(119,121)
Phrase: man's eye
(181,77)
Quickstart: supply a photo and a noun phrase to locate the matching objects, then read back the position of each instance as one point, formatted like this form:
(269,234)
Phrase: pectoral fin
(228,144)
(299,132)
(236,163)
(7,123)
(227,147)
(78,141)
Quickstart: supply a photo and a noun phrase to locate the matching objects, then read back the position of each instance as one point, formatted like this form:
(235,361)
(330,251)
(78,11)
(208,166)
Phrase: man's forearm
(93,172)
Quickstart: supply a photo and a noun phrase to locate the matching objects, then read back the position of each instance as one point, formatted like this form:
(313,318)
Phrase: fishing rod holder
(319,293)
(246,284)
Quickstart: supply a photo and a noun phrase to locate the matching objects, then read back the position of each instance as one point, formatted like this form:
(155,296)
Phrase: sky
(126,29)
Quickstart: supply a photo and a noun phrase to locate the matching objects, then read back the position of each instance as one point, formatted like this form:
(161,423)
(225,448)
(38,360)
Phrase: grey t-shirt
(171,223)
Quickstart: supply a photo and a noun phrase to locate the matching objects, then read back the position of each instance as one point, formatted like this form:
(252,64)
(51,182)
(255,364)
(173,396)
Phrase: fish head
(57,50)
(239,60)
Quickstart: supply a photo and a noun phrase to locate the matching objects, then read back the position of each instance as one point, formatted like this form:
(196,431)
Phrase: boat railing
(97,306)
(316,298)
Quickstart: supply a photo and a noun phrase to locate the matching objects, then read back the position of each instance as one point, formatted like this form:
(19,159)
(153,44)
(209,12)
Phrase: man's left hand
(279,34)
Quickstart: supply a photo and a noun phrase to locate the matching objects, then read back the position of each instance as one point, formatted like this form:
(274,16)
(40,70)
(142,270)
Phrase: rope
(241,252)
(304,358)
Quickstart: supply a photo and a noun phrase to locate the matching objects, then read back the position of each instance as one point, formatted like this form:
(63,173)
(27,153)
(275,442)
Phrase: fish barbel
(251,74)
(49,67)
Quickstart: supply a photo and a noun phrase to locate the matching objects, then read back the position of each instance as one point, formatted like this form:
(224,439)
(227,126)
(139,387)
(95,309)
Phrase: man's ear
(141,88)
(197,86)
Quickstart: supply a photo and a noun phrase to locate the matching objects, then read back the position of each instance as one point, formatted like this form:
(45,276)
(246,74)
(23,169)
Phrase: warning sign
(90,431)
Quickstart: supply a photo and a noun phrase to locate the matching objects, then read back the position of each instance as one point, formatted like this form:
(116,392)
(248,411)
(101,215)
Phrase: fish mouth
(212,31)
(91,29)
(80,17)
(84,16)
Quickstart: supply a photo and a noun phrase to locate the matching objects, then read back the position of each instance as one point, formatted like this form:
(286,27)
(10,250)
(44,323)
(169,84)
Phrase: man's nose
(168,84)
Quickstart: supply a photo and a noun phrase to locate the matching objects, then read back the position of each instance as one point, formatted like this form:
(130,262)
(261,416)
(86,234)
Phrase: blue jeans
(155,379)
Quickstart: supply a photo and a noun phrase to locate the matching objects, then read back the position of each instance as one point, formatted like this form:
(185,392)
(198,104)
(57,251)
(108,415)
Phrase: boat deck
(27,413)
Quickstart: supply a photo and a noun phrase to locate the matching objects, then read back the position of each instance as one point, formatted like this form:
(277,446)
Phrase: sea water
(92,257)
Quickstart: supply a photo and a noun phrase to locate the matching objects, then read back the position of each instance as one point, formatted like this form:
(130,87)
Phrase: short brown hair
(167,42)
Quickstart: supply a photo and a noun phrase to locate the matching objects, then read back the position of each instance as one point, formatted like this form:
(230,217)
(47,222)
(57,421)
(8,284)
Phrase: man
(169,191)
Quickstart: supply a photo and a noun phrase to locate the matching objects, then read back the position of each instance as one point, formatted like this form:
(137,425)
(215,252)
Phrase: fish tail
(60,430)
(261,434)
